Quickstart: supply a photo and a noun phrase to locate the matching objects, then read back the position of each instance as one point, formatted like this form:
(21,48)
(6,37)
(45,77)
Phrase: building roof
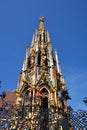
(10,97)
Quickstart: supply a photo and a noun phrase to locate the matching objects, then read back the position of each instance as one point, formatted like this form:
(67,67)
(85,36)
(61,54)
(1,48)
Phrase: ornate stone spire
(42,83)
(41,23)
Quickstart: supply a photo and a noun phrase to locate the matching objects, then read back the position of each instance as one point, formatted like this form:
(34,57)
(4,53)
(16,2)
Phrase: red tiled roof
(10,97)
(0,103)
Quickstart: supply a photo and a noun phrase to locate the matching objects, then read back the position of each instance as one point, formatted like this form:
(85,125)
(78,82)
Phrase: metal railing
(15,116)
(78,119)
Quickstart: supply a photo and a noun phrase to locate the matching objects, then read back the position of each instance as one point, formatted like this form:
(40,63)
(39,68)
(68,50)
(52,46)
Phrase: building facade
(41,87)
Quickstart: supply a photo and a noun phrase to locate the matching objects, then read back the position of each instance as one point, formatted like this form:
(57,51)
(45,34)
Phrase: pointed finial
(32,40)
(57,61)
(48,37)
(41,23)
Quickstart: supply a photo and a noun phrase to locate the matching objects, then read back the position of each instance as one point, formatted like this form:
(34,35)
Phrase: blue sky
(66,21)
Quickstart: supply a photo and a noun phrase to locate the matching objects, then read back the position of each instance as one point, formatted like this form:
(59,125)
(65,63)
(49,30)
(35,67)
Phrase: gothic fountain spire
(42,81)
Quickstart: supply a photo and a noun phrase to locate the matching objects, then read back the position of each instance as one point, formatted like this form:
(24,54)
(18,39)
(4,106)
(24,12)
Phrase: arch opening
(45,103)
(44,108)
(44,91)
